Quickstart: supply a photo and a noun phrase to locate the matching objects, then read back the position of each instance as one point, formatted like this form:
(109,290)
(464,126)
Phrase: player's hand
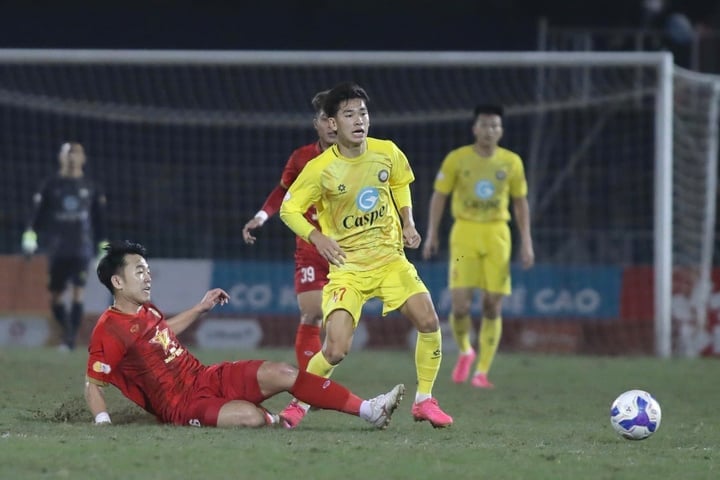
(100,252)
(102,418)
(29,242)
(527,255)
(101,246)
(431,246)
(255,222)
(213,297)
(328,248)
(411,237)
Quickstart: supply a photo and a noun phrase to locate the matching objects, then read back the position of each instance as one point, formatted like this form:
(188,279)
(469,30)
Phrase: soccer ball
(635,415)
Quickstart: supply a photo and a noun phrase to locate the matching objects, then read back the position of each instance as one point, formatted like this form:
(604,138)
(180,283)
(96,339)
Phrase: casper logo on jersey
(367,202)
(484,189)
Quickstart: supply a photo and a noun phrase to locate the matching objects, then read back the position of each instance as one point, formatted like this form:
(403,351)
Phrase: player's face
(72,161)
(326,133)
(135,280)
(488,130)
(352,122)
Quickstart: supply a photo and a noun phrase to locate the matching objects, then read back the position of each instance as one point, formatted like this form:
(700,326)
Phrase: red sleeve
(290,173)
(293,167)
(274,200)
(105,352)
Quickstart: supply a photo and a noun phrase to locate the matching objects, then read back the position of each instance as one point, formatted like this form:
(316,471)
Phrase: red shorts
(218,385)
(311,271)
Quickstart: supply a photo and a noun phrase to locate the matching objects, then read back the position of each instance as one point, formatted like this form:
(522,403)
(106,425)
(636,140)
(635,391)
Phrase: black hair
(342,93)
(489,109)
(114,260)
(318,101)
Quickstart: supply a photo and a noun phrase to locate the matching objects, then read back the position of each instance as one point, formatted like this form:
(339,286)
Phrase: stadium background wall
(590,310)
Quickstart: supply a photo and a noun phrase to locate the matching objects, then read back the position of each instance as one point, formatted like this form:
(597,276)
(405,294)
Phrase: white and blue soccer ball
(635,414)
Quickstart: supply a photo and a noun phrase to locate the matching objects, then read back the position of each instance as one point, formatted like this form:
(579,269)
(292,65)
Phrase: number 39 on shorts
(307,274)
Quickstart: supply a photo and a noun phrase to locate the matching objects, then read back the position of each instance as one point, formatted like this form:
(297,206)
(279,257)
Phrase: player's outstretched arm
(255,222)
(95,399)
(435,213)
(181,321)
(269,208)
(522,219)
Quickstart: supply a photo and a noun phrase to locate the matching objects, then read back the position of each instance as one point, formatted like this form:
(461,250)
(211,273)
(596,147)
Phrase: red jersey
(297,161)
(140,355)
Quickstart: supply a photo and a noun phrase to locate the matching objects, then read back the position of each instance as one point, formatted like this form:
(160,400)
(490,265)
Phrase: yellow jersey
(354,201)
(481,187)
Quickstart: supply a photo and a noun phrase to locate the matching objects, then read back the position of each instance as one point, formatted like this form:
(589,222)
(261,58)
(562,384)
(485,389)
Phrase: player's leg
(343,299)
(428,356)
(402,289)
(223,410)
(342,303)
(78,278)
(461,326)
(256,381)
(488,338)
(239,413)
(496,267)
(338,339)
(59,275)
(307,337)
(310,277)
(464,276)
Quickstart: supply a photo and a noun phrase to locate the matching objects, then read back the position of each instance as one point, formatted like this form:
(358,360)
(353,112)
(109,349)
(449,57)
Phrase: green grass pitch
(548,418)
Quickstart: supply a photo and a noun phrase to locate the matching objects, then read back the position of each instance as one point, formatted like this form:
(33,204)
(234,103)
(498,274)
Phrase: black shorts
(62,270)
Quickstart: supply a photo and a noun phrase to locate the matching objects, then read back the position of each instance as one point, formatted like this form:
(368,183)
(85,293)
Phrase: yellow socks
(488,341)
(428,355)
(460,326)
(318,365)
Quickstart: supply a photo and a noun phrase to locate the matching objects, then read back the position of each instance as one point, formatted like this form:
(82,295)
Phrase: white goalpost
(598,132)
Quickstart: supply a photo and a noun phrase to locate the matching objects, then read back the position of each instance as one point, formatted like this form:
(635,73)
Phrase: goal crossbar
(661,62)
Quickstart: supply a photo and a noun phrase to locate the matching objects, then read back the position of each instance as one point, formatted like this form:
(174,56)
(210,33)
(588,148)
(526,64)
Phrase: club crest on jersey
(501,174)
(171,348)
(383,175)
(70,203)
(484,189)
(100,367)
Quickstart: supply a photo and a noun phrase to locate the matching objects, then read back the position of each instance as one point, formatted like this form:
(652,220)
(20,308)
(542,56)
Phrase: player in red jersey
(134,348)
(311,268)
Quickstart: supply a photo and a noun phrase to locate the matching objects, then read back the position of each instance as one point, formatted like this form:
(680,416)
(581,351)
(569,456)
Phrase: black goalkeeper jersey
(69,217)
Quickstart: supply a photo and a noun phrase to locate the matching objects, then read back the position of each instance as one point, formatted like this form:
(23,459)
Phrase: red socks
(324,393)
(307,344)
(315,390)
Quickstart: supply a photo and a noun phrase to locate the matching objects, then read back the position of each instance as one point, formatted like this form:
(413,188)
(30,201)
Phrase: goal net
(188,144)
(696,280)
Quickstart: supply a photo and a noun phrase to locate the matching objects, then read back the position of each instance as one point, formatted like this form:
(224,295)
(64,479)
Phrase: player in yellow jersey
(482,178)
(361,189)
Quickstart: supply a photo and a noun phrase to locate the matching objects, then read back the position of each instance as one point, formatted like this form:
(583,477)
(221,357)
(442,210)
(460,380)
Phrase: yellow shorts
(480,256)
(392,283)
